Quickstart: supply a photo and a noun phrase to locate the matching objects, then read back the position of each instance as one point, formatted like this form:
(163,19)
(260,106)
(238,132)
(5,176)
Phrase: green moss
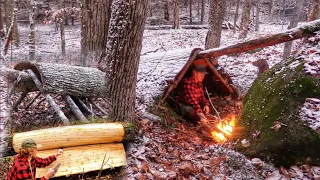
(277,97)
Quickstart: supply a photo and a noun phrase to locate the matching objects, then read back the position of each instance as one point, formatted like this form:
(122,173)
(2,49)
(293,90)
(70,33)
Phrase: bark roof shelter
(217,81)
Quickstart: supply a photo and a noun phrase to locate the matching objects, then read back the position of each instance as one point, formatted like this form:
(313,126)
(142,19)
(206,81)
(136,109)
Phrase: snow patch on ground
(310,113)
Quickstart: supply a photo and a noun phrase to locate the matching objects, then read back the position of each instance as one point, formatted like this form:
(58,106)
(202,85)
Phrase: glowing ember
(226,128)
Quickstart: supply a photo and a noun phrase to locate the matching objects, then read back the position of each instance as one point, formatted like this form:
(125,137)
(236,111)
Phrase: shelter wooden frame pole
(55,107)
(97,106)
(21,97)
(74,108)
(215,72)
(179,77)
(83,105)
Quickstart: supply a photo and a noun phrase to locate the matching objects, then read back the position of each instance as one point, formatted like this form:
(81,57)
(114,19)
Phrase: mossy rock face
(277,95)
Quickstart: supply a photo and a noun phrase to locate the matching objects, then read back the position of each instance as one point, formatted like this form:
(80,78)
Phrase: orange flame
(226,127)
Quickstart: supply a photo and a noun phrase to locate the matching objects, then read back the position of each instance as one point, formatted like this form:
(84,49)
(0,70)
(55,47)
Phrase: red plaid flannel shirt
(21,168)
(192,94)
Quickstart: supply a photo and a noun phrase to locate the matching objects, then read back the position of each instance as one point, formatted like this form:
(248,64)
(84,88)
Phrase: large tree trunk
(123,54)
(293,23)
(245,20)
(176,14)
(62,23)
(32,48)
(94,30)
(9,6)
(236,17)
(217,9)
(5,114)
(64,79)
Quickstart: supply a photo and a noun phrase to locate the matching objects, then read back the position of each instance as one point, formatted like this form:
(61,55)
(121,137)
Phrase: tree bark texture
(256,28)
(5,114)
(69,136)
(95,16)
(166,10)
(9,9)
(190,11)
(314,11)
(245,20)
(2,34)
(202,10)
(306,30)
(236,16)
(83,159)
(176,14)
(32,41)
(67,80)
(293,23)
(218,10)
(62,23)
(10,31)
(123,55)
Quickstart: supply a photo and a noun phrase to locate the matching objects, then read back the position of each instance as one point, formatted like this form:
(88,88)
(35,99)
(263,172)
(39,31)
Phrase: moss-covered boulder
(278,95)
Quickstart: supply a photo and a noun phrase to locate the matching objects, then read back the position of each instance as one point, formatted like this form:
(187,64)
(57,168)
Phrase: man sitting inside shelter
(191,99)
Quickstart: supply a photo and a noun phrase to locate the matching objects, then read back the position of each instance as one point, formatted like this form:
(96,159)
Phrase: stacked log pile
(88,147)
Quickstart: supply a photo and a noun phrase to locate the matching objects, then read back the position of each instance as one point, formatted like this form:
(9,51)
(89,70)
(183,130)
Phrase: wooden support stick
(83,105)
(21,97)
(45,99)
(178,77)
(34,98)
(75,109)
(55,107)
(216,73)
(97,106)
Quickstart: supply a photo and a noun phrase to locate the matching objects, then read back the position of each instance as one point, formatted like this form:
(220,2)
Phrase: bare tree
(270,7)
(95,16)
(256,28)
(32,41)
(121,63)
(217,13)
(190,11)
(166,10)
(245,20)
(236,17)
(293,23)
(62,22)
(202,10)
(176,14)
(9,5)
(5,115)
(1,24)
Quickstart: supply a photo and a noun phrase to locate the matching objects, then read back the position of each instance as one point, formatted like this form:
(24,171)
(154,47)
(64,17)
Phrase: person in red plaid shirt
(192,101)
(25,163)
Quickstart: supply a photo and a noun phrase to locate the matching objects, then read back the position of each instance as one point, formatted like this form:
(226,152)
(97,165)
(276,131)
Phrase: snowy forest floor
(170,149)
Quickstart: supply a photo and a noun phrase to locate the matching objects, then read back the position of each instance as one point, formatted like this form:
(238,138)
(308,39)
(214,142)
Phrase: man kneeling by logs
(25,163)
(192,102)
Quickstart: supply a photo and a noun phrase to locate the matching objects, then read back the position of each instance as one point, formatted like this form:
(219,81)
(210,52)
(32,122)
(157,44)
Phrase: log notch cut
(71,82)
(69,136)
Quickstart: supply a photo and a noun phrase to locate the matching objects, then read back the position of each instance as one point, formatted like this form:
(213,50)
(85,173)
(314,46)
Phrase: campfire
(224,129)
